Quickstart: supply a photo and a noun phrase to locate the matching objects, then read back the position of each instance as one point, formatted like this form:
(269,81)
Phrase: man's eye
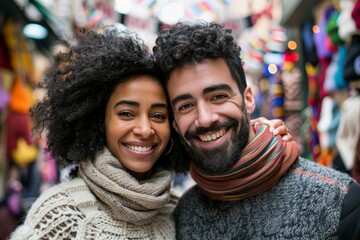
(184,107)
(219,97)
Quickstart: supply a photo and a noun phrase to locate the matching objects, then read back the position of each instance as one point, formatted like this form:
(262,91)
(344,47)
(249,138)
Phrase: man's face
(210,114)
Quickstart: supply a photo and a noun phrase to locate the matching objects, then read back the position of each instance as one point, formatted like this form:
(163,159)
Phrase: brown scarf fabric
(262,163)
(124,197)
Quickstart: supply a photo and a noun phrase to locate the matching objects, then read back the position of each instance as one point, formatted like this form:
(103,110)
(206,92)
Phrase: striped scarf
(262,163)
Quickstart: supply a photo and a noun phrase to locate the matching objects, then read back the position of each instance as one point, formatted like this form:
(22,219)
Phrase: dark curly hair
(186,43)
(78,88)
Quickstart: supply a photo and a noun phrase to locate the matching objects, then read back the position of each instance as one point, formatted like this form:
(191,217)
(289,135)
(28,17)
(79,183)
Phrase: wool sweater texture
(305,204)
(73,210)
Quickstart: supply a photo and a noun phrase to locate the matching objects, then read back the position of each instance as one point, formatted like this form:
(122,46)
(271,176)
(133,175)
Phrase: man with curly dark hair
(106,111)
(250,184)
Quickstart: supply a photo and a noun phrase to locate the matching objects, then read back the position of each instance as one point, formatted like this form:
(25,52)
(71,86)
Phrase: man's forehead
(200,76)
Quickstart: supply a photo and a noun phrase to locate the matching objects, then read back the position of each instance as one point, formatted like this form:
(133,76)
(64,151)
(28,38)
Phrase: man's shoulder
(349,226)
(305,170)
(193,195)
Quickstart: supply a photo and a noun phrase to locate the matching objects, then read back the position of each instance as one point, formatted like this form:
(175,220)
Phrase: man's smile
(212,136)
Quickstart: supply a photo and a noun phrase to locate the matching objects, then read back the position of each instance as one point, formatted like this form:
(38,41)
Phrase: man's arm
(349,227)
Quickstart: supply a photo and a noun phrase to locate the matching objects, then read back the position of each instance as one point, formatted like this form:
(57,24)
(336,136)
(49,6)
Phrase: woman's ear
(249,100)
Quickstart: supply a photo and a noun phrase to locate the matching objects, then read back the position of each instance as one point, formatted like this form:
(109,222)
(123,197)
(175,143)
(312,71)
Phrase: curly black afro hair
(186,43)
(78,88)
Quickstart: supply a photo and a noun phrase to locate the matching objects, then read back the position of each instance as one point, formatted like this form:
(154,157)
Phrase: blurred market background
(302,57)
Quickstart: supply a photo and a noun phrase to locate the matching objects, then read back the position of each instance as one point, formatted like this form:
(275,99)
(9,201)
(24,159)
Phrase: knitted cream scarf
(262,163)
(120,194)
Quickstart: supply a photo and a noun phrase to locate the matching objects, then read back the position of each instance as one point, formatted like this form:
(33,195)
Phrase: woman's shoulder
(56,206)
(72,192)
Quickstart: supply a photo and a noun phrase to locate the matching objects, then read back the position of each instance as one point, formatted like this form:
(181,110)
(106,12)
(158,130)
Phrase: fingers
(260,120)
(277,124)
(287,138)
(280,130)
(273,123)
(284,132)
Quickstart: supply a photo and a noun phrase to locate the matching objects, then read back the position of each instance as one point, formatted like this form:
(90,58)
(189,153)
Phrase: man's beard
(220,159)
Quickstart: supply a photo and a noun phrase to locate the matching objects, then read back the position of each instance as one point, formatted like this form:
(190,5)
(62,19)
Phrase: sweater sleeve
(53,216)
(349,226)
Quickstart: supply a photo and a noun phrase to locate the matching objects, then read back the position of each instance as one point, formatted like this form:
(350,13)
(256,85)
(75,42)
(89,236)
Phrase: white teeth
(213,136)
(138,148)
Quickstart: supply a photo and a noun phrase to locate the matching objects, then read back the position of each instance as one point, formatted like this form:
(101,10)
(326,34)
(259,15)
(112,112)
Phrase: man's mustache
(213,127)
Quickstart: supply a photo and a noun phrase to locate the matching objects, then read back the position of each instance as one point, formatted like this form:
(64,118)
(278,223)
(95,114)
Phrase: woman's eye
(159,116)
(125,114)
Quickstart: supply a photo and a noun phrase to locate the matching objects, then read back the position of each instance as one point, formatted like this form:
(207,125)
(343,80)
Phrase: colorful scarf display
(262,163)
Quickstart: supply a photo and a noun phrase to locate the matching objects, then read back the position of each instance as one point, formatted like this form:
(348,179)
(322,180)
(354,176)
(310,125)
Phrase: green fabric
(332,29)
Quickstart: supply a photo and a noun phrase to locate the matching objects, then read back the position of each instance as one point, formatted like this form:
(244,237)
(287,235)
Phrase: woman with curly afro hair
(105,111)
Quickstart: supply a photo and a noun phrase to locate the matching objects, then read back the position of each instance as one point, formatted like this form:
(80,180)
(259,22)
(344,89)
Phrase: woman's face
(136,124)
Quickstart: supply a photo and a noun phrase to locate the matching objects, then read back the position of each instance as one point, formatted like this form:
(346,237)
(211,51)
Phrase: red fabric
(8,222)
(291,57)
(18,125)
(324,63)
(355,14)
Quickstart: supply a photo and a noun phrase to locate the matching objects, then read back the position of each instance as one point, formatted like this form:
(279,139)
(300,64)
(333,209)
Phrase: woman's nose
(143,128)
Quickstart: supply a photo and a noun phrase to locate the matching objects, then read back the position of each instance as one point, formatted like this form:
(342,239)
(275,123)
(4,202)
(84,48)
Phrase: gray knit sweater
(305,204)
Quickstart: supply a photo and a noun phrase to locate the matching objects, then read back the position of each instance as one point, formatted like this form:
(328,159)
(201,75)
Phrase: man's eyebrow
(217,87)
(205,91)
(180,98)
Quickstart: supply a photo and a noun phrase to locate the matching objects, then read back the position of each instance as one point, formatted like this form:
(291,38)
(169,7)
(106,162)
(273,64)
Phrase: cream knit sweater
(70,211)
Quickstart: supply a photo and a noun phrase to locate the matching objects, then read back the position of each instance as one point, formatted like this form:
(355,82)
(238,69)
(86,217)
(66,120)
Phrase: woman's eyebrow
(126,102)
(136,104)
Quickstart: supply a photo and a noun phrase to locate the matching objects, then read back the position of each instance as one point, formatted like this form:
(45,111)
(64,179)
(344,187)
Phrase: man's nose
(205,116)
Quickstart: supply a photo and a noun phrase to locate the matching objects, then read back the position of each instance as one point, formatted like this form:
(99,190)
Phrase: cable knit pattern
(305,204)
(70,210)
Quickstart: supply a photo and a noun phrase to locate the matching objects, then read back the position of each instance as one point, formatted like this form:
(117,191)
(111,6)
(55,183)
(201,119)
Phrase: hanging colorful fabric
(20,99)
(4,96)
(24,154)
(332,28)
